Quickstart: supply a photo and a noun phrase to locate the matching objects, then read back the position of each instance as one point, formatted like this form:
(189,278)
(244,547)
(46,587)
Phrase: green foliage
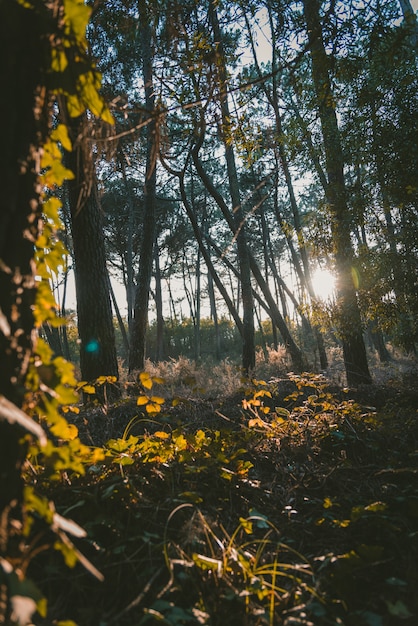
(259,517)
(50,382)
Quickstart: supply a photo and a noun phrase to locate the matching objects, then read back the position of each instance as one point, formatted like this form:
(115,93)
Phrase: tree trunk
(349,320)
(140,317)
(94,308)
(25,116)
(130,287)
(159,351)
(125,340)
(214,317)
(248,348)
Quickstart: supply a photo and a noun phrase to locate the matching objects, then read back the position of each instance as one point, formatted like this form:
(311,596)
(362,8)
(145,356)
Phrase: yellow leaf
(247,525)
(153,408)
(158,380)
(65,431)
(50,209)
(207,563)
(42,607)
(146,380)
(255,422)
(88,389)
(160,434)
(142,400)
(73,409)
(60,133)
(88,88)
(74,105)
(76,17)
(157,399)
(59,60)
(97,455)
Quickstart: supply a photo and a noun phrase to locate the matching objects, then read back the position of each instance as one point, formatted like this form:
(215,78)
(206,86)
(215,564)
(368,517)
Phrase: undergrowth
(292,501)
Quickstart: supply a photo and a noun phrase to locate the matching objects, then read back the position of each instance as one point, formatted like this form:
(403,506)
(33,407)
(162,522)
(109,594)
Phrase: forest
(208,313)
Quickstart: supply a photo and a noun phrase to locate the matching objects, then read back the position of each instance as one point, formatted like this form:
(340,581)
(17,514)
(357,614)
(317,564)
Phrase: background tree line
(253,143)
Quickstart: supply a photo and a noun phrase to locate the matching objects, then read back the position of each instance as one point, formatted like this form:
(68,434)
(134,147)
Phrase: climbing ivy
(72,82)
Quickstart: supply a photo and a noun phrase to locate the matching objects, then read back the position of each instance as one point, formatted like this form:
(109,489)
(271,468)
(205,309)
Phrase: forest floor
(284,500)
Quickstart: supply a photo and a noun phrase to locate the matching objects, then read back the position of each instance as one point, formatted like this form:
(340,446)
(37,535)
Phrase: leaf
(60,133)
(398,609)
(247,525)
(145,380)
(207,563)
(42,607)
(153,408)
(105,379)
(65,431)
(160,434)
(50,209)
(68,552)
(376,506)
(74,105)
(369,618)
(88,389)
(255,422)
(261,520)
(157,399)
(141,400)
(76,16)
(73,409)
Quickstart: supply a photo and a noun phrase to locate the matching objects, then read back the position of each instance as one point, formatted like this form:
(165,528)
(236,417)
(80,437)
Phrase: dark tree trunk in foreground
(24,118)
(140,317)
(349,320)
(94,308)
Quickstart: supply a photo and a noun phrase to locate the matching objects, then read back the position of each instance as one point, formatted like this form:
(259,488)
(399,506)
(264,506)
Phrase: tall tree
(140,317)
(23,72)
(94,308)
(248,349)
(35,39)
(349,320)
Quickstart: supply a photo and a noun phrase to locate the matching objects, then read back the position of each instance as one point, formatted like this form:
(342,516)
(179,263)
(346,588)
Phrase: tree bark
(24,111)
(140,317)
(349,320)
(248,348)
(159,354)
(94,308)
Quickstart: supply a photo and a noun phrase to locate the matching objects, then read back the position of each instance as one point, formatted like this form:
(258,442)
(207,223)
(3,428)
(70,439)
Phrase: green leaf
(399,609)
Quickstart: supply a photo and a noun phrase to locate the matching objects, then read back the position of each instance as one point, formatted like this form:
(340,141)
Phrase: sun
(323,283)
